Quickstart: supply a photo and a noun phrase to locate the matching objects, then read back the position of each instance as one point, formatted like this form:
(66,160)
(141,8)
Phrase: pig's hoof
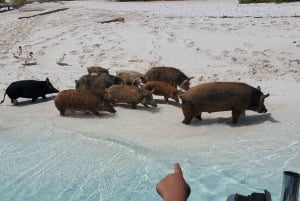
(186,122)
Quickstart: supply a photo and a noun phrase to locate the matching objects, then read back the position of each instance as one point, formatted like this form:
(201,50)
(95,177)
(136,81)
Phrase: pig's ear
(258,88)
(190,78)
(267,95)
(47,80)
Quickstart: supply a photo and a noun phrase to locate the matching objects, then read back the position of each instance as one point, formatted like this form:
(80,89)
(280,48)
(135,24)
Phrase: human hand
(173,187)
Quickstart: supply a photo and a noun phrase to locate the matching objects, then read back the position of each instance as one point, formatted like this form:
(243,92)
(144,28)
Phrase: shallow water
(68,166)
(45,163)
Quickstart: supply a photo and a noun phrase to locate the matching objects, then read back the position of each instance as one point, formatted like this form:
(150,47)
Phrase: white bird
(18,53)
(28,59)
(60,60)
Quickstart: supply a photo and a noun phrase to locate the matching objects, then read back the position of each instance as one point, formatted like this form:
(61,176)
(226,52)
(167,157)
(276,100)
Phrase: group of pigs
(99,91)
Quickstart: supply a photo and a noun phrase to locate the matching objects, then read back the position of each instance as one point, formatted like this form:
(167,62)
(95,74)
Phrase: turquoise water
(61,165)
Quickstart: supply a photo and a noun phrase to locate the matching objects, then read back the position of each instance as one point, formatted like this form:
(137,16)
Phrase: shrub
(18,3)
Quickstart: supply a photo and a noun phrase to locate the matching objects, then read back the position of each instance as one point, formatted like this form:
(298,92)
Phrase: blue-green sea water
(54,165)
(46,157)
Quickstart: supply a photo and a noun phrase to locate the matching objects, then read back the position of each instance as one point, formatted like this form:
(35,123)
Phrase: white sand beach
(121,156)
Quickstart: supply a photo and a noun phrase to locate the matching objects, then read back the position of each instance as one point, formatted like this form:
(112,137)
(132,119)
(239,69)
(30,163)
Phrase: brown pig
(130,77)
(222,96)
(131,95)
(81,100)
(97,70)
(162,89)
(97,83)
(170,75)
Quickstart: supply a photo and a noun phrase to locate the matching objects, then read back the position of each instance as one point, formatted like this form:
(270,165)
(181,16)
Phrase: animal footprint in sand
(240,51)
(74,52)
(189,43)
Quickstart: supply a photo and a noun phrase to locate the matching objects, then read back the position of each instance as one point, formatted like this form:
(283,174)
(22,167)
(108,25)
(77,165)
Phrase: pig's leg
(188,115)
(166,99)
(145,105)
(62,112)
(198,116)
(14,101)
(95,112)
(133,105)
(235,115)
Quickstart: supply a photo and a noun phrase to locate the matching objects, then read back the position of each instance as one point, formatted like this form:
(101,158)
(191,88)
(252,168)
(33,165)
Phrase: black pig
(29,89)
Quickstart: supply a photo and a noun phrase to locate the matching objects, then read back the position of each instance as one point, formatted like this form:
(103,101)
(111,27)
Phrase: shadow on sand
(38,101)
(63,64)
(89,115)
(243,120)
(138,107)
(3,10)
(29,64)
(171,102)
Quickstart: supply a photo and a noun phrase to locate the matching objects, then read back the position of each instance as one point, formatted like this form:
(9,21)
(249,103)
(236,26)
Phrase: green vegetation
(18,3)
(266,1)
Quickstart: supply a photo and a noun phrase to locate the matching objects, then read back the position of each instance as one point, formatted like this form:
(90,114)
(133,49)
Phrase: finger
(177,168)
(157,190)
